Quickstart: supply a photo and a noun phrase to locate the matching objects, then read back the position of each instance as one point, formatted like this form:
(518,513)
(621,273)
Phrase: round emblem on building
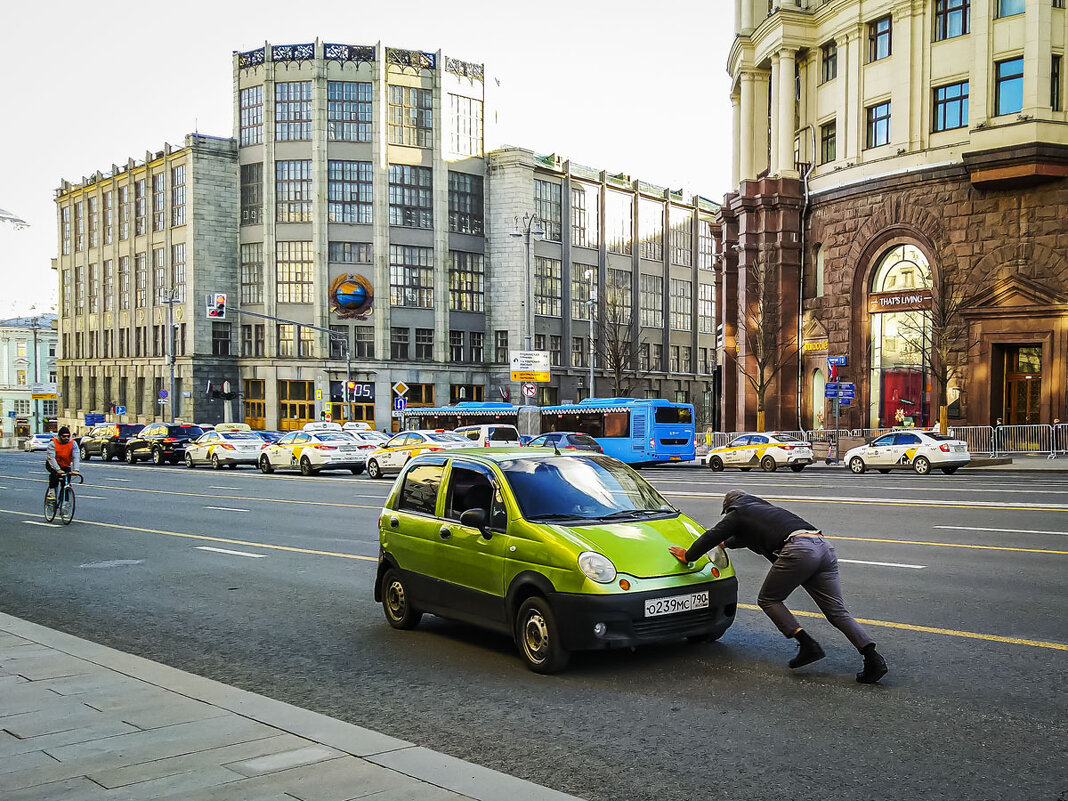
(351,296)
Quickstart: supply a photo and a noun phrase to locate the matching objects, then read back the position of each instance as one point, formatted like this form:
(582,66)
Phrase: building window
(547,199)
(879,39)
(706,308)
(295,271)
(878,128)
(79,226)
(287,334)
(64,215)
(820,270)
(681,236)
(109,285)
(140,208)
(79,288)
(365,342)
(411,200)
(398,343)
(952,18)
(252,273)
(656,358)
(348,111)
(251,194)
(124,282)
(350,196)
(585,215)
(456,346)
(466,392)
(1008,77)
(178,271)
(251,113)
(618,296)
(466,134)
(582,289)
(500,342)
(292,111)
(246,340)
(220,339)
(548,287)
(293,190)
(673,359)
(94,221)
(351,252)
(339,341)
(1008,8)
(706,245)
(124,212)
(465,203)
(1055,83)
(681,305)
(178,195)
(424,344)
(466,281)
(159,274)
(828,142)
(109,216)
(650,229)
(619,222)
(477,346)
(140,280)
(578,352)
(306,342)
(951,106)
(411,276)
(651,299)
(94,288)
(829,62)
(67,289)
(411,116)
(159,201)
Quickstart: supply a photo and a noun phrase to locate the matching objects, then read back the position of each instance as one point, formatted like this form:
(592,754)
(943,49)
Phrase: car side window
(883,441)
(473,434)
(758,440)
(288,438)
(907,439)
(420,490)
(468,489)
(740,442)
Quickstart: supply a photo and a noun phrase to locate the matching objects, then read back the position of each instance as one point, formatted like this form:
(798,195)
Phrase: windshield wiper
(628,513)
(554,516)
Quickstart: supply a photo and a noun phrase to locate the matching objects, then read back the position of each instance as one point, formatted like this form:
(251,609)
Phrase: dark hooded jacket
(750,522)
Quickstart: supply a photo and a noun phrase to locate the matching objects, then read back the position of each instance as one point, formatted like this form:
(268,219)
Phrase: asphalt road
(266,583)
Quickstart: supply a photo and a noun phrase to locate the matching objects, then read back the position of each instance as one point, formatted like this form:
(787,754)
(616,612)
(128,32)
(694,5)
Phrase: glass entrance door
(1023,384)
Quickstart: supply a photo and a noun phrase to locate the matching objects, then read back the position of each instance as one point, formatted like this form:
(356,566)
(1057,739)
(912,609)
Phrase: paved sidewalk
(82,722)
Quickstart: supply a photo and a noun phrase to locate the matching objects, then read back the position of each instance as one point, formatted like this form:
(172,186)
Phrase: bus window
(674,415)
(617,424)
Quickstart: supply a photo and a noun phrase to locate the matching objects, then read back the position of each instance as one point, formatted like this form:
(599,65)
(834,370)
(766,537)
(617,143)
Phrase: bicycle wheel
(66,506)
(50,507)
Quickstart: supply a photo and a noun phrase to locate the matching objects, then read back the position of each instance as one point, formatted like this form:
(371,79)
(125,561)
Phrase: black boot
(809,652)
(874,665)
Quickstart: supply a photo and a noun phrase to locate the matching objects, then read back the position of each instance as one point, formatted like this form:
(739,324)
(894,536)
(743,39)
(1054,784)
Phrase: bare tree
(614,329)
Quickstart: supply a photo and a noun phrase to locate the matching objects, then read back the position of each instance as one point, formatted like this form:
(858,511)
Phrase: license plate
(676,458)
(959,448)
(673,604)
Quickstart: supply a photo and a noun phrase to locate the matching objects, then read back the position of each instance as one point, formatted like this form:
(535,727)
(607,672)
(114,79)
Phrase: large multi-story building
(27,368)
(900,170)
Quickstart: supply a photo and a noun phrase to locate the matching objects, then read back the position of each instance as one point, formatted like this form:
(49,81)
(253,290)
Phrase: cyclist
(63,458)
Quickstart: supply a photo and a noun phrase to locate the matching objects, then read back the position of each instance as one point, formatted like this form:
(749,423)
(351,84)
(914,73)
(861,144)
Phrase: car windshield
(446,436)
(582,488)
(241,435)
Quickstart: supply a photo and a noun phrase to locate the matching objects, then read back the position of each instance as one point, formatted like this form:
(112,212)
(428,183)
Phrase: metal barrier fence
(1036,438)
(980,439)
(1060,439)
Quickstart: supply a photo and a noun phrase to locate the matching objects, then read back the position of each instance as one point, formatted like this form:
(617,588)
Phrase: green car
(562,553)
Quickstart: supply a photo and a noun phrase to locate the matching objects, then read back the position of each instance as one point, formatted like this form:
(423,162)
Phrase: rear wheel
(105,453)
(768,465)
(188,459)
(85,453)
(373,469)
(215,463)
(715,464)
(157,457)
(797,468)
(306,468)
(922,465)
(265,465)
(130,458)
(856,465)
(356,470)
(949,470)
(66,505)
(538,637)
(397,602)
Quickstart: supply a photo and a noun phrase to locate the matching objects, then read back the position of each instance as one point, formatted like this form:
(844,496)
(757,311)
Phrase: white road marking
(124,480)
(39,523)
(1004,530)
(92,497)
(882,564)
(232,553)
(226,509)
(225,488)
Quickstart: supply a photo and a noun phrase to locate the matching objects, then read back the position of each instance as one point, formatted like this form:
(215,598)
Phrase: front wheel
(949,470)
(715,464)
(265,465)
(538,637)
(66,505)
(397,602)
(157,457)
(188,459)
(768,465)
(922,465)
(130,458)
(856,465)
(105,453)
(373,469)
(797,468)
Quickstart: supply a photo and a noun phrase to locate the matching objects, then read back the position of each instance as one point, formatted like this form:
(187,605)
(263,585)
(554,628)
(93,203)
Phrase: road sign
(847,391)
(400,388)
(839,360)
(530,390)
(830,390)
(94,419)
(400,404)
(120,410)
(163,393)
(11,414)
(844,401)
(530,365)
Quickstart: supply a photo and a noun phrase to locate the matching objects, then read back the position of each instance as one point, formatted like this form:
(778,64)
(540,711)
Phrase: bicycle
(64,500)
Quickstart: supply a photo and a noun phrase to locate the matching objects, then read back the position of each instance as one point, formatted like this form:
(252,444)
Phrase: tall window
(65,225)
(578,352)
(466,214)
(477,347)
(581,288)
(681,305)
(651,300)
(294,263)
(1008,91)
(124,282)
(350,196)
(178,195)
(424,344)
(456,346)
(178,270)
(365,342)
(951,106)
(251,114)
(140,207)
(585,215)
(79,226)
(466,281)
(67,291)
(251,270)
(411,276)
(351,252)
(650,229)
(681,236)
(706,245)
(411,116)
(878,128)
(141,280)
(829,62)
(220,339)
(1007,8)
(500,347)
(287,334)
(79,288)
(293,190)
(159,273)
(94,222)
(292,111)
(159,201)
(124,212)
(673,359)
(548,287)
(706,308)
(828,142)
(411,200)
(618,294)
(251,193)
(952,18)
(94,288)
(306,342)
(398,343)
(109,285)
(547,207)
(466,135)
(109,216)
(879,39)
(348,111)
(619,222)
(1055,83)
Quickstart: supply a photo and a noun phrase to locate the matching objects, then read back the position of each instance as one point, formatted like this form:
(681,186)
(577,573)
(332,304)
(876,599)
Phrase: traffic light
(217,306)
(322,415)
(350,391)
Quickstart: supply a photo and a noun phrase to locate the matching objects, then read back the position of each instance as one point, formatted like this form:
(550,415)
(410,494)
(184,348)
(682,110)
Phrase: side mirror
(475,518)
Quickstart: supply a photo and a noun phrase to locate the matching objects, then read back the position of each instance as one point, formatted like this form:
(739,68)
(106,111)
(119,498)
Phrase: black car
(108,441)
(161,442)
(566,441)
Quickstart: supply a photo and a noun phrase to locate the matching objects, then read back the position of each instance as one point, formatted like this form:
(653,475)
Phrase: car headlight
(597,567)
(719,558)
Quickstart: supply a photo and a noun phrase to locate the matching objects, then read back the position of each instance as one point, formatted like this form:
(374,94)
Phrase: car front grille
(678,624)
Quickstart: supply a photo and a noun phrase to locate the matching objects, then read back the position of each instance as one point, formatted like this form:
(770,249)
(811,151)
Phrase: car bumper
(347,461)
(950,463)
(625,621)
(246,458)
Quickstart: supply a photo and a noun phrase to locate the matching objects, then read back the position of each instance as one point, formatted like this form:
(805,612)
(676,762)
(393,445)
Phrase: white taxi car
(915,450)
(769,451)
(395,452)
(317,446)
(219,448)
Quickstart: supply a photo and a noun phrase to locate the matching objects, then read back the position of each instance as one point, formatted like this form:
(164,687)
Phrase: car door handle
(394,522)
(445,532)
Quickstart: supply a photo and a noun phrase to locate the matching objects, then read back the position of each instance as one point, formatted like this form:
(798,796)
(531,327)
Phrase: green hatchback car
(560,552)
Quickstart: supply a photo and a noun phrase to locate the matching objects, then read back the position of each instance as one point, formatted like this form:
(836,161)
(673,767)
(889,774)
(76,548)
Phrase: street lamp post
(35,324)
(591,277)
(172,297)
(533,226)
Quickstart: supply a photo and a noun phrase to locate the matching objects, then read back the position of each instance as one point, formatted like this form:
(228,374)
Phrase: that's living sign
(907,300)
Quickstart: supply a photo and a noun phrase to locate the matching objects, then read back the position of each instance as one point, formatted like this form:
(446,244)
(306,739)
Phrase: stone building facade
(27,369)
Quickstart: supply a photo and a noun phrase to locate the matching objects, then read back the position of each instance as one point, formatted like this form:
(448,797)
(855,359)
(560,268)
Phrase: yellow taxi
(395,452)
(317,446)
(767,450)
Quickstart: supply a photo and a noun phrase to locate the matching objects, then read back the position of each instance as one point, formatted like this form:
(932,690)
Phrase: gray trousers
(811,563)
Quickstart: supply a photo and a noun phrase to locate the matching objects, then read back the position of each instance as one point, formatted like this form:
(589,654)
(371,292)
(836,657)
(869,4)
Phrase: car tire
(949,470)
(189,461)
(215,463)
(130,457)
(356,470)
(306,468)
(84,453)
(797,468)
(157,457)
(922,465)
(373,469)
(105,454)
(857,466)
(265,466)
(538,637)
(768,465)
(715,464)
(397,602)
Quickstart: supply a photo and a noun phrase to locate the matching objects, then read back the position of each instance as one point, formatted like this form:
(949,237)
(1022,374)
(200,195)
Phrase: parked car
(108,441)
(910,450)
(768,451)
(395,452)
(356,425)
(229,448)
(318,446)
(367,439)
(491,434)
(269,436)
(566,441)
(161,442)
(38,442)
(561,552)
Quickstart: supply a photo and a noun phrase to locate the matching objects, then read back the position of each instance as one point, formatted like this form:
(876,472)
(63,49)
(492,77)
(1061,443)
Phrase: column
(747,118)
(778,122)
(736,140)
(759,121)
(746,15)
(785,113)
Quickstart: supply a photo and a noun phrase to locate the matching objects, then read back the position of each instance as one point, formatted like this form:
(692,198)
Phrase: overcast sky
(631,87)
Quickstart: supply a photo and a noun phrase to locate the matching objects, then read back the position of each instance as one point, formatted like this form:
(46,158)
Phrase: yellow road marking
(971,635)
(861,502)
(952,545)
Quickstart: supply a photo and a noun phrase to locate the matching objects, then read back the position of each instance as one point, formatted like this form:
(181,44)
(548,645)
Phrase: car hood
(639,548)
